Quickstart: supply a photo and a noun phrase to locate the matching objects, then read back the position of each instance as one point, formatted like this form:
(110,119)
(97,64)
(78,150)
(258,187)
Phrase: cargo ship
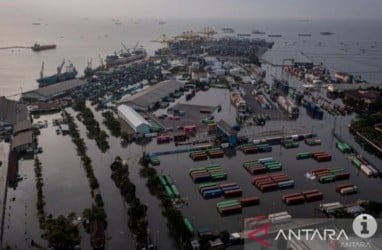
(274,35)
(125,57)
(244,34)
(228,30)
(326,33)
(37,47)
(70,73)
(258,32)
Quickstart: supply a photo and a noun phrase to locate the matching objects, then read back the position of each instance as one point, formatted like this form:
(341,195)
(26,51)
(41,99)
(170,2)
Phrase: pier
(16,47)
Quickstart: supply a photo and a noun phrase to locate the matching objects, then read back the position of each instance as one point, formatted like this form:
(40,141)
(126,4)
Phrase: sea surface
(355,46)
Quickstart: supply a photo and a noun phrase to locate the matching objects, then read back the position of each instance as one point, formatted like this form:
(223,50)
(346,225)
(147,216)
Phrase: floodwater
(66,188)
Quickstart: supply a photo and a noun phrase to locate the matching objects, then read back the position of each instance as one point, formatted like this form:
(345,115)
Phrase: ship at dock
(70,73)
(38,47)
(258,32)
(126,56)
(228,30)
(274,35)
(326,33)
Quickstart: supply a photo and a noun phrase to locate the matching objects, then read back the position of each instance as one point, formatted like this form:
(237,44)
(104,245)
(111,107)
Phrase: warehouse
(50,92)
(151,97)
(139,124)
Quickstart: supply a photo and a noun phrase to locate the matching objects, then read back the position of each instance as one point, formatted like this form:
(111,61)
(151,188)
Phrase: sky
(280,9)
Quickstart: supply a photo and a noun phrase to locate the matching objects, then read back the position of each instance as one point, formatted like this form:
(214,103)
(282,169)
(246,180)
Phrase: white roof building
(134,119)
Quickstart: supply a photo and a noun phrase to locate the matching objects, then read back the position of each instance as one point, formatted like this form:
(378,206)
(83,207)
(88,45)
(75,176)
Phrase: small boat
(326,33)
(304,34)
(258,32)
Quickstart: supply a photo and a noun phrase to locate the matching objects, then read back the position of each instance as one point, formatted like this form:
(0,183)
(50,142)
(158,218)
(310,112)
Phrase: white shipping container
(270,216)
(281,219)
(366,170)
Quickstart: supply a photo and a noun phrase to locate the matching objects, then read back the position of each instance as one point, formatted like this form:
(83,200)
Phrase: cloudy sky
(312,9)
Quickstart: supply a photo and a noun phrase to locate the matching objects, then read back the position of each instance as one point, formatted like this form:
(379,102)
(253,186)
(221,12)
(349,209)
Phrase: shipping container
(188,225)
(268,187)
(250,201)
(286,184)
(295,200)
(233,193)
(230,210)
(349,190)
(281,219)
(339,187)
(313,196)
(342,176)
(285,196)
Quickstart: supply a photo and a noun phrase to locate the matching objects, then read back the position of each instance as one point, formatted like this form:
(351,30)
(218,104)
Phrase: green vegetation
(112,124)
(175,223)
(137,210)
(91,124)
(365,126)
(40,196)
(93,213)
(61,233)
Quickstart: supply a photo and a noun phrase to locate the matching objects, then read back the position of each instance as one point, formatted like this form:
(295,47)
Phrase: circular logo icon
(364,226)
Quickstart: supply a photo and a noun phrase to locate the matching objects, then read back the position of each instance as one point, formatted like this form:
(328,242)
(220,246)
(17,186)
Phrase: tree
(61,233)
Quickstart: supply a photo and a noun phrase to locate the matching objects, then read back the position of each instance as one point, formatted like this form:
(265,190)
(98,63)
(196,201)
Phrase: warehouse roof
(22,139)
(12,111)
(57,88)
(134,118)
(21,126)
(153,94)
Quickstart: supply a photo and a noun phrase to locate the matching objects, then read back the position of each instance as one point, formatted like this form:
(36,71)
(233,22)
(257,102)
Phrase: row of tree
(137,210)
(175,222)
(111,123)
(92,126)
(365,126)
(95,212)
(60,232)
(40,196)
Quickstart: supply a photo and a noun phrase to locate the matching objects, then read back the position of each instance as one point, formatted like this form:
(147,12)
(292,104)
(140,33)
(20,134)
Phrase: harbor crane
(42,70)
(59,68)
(208,32)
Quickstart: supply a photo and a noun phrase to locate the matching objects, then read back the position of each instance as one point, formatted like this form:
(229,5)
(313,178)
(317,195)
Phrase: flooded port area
(210,141)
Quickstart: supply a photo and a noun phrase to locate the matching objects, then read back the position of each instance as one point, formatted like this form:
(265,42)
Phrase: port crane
(162,39)
(208,32)
(124,46)
(59,68)
(42,70)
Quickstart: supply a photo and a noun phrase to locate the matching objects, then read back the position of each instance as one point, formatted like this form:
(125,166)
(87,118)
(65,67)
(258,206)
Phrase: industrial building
(151,97)
(11,112)
(139,124)
(50,92)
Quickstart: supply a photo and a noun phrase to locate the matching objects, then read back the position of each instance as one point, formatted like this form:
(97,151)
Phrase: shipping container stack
(313,141)
(305,196)
(266,183)
(303,155)
(314,111)
(326,175)
(209,173)
(214,190)
(256,148)
(262,166)
(169,187)
(346,189)
(289,144)
(344,147)
(215,153)
(364,166)
(229,207)
(198,156)
(321,156)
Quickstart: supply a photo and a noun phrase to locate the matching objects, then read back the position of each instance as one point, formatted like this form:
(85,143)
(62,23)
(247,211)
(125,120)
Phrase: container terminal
(228,139)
